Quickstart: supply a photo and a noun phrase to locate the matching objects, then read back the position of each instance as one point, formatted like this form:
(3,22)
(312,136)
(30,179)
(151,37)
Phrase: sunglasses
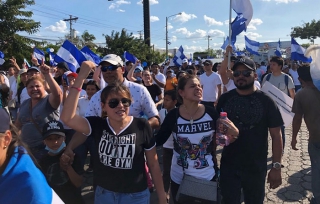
(245,73)
(115,102)
(110,68)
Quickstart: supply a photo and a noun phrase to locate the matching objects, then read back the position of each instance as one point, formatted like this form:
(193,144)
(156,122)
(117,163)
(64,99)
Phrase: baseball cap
(63,65)
(5,120)
(138,69)
(249,63)
(112,59)
(52,128)
(69,73)
(184,61)
(34,68)
(285,67)
(21,71)
(207,61)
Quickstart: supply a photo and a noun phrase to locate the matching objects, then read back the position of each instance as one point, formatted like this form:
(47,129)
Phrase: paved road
(296,174)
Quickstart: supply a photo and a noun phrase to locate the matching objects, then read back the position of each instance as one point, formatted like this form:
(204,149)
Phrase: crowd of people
(120,112)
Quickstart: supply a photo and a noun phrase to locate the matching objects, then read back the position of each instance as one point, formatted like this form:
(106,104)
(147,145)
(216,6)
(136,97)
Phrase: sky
(272,20)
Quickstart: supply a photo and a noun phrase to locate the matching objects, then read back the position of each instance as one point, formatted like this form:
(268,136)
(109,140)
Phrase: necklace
(191,116)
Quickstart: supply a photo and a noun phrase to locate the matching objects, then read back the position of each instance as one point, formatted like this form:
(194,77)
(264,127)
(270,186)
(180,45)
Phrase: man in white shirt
(294,73)
(157,76)
(211,85)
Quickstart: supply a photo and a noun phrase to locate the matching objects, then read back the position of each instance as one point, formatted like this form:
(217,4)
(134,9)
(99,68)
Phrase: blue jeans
(103,196)
(314,153)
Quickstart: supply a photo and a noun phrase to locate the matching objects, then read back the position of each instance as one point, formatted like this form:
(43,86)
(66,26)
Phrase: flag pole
(230,32)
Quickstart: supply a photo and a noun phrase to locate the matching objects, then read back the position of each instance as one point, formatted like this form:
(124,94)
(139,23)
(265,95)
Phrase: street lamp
(167,32)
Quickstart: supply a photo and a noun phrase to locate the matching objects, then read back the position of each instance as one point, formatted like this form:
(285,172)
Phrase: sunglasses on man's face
(113,103)
(245,73)
(110,68)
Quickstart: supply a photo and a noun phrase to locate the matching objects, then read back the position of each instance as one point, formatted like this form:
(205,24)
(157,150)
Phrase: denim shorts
(103,196)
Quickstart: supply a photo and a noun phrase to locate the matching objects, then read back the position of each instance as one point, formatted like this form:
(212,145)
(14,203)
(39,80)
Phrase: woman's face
(24,77)
(35,89)
(192,90)
(146,76)
(91,90)
(117,106)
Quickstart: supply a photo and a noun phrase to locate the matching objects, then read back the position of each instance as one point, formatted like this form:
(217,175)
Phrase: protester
(65,180)
(38,110)
(23,82)
(61,68)
(169,102)
(293,72)
(211,85)
(32,71)
(306,105)
(286,70)
(244,162)
(171,81)
(184,65)
(192,126)
(4,92)
(154,89)
(20,179)
(121,142)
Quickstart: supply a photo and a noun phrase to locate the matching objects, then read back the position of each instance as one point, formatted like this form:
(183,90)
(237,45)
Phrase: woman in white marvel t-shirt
(193,128)
(121,141)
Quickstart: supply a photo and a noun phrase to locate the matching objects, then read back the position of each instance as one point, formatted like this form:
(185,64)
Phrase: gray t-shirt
(42,113)
(279,82)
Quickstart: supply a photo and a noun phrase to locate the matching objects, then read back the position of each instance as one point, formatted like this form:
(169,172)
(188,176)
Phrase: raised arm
(224,66)
(96,75)
(68,115)
(130,73)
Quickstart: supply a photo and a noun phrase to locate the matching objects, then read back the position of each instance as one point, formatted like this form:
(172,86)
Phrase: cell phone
(65,78)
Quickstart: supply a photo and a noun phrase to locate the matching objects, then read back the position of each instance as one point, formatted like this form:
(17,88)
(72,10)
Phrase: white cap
(112,59)
(184,60)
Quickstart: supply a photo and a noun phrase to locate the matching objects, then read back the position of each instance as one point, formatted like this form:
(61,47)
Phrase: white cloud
(226,22)
(170,26)
(151,2)
(154,18)
(120,10)
(253,23)
(118,3)
(283,1)
(197,34)
(211,21)
(184,17)
(252,35)
(216,33)
(60,27)
(173,38)
(193,48)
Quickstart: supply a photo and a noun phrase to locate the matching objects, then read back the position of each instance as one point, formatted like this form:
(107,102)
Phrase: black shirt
(253,115)
(154,91)
(59,179)
(120,163)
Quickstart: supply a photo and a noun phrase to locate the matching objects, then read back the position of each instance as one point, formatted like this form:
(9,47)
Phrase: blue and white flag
(90,55)
(252,46)
(238,53)
(313,52)
(177,60)
(27,63)
(1,58)
(244,11)
(129,57)
(51,59)
(278,50)
(70,54)
(169,43)
(297,52)
(39,55)
(226,43)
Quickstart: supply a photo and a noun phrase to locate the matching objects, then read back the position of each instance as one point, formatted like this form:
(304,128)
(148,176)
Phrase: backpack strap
(268,77)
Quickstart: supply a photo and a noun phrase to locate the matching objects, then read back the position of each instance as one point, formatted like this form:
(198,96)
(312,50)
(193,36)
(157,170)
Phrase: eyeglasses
(115,102)
(245,73)
(110,68)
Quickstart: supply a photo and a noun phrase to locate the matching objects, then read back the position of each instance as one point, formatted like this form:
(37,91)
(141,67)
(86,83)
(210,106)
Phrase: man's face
(207,67)
(274,67)
(155,69)
(243,77)
(185,64)
(129,66)
(11,71)
(110,76)
(59,72)
(32,73)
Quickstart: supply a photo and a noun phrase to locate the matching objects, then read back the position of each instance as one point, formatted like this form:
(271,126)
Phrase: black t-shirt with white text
(120,163)
(253,115)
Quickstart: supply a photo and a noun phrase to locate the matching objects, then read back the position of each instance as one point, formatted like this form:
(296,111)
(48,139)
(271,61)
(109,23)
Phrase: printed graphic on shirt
(195,152)
(245,112)
(194,128)
(56,175)
(117,151)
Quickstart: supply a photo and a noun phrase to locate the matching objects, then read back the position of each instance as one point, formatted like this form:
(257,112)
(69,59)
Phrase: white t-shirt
(169,143)
(230,85)
(12,79)
(14,88)
(142,102)
(295,77)
(24,95)
(162,78)
(210,86)
(82,106)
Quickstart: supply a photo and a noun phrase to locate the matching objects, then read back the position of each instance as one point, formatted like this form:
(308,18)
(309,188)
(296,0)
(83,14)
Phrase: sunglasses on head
(110,68)
(113,103)
(245,73)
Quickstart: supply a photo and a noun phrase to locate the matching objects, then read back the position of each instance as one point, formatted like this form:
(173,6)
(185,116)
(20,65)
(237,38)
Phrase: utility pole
(146,21)
(70,19)
(209,38)
(140,34)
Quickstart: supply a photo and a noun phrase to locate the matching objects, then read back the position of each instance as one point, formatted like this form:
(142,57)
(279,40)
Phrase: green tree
(14,19)
(309,31)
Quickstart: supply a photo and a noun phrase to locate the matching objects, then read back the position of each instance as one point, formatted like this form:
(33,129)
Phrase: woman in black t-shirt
(121,143)
(153,89)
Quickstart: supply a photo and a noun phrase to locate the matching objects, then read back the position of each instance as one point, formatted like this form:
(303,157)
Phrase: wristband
(78,89)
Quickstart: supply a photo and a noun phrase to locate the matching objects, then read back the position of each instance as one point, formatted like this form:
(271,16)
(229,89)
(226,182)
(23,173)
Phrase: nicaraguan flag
(252,46)
(129,57)
(244,11)
(27,63)
(51,59)
(297,52)
(177,60)
(226,43)
(278,50)
(39,54)
(169,43)
(90,55)
(70,54)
